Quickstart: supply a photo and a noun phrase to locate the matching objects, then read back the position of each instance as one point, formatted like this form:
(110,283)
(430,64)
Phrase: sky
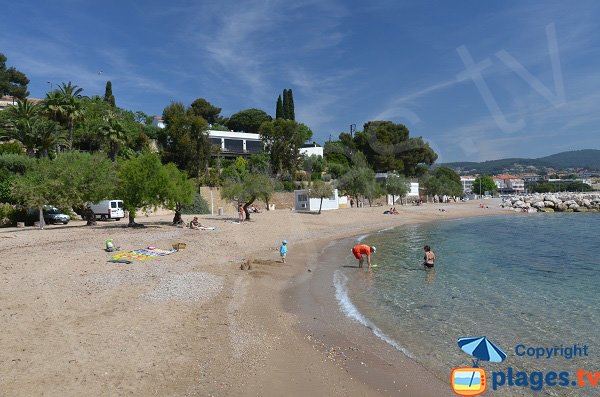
(477,80)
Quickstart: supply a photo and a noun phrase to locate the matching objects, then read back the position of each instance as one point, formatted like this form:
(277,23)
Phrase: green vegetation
(484,184)
(145,183)
(12,81)
(248,120)
(397,185)
(319,189)
(71,149)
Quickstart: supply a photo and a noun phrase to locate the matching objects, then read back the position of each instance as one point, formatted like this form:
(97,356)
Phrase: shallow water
(530,279)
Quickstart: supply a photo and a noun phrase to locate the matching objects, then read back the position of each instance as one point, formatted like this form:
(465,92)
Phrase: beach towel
(143,254)
(120,261)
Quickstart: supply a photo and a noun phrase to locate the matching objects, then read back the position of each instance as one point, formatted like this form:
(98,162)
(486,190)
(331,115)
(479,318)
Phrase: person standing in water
(429,258)
(360,250)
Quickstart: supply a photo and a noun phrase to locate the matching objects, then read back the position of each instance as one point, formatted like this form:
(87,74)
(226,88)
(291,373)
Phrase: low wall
(282,200)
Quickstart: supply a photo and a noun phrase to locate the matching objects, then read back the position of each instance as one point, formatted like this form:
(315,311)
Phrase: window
(234,145)
(302,197)
(113,204)
(254,146)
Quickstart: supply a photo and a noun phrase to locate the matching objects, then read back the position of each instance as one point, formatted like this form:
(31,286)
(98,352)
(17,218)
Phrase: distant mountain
(587,158)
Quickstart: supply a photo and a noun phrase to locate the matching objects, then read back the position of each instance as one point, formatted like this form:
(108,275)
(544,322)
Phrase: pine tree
(108,95)
(279,108)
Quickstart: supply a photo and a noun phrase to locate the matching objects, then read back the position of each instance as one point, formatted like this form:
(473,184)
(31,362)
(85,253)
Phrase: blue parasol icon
(481,348)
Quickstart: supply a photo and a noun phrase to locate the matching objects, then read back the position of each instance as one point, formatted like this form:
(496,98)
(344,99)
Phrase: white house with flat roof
(302,201)
(310,150)
(232,143)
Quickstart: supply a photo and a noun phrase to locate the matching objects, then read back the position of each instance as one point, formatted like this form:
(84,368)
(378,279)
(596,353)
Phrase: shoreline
(353,345)
(74,324)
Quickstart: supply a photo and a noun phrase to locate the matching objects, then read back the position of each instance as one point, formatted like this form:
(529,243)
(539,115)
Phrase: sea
(528,283)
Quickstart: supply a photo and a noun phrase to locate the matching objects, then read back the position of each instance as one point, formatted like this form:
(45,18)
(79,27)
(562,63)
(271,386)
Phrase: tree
(20,124)
(288,112)
(69,106)
(388,147)
(145,183)
(443,181)
(27,125)
(185,141)
(484,184)
(201,107)
(12,82)
(244,192)
(315,165)
(108,95)
(113,133)
(373,190)
(397,185)
(357,181)
(321,190)
(248,120)
(69,180)
(283,139)
(279,108)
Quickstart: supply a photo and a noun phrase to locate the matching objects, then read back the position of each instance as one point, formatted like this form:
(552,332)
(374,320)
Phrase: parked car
(54,215)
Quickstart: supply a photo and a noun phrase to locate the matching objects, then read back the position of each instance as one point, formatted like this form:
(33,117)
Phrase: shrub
(11,148)
(6,213)
(288,186)
(198,206)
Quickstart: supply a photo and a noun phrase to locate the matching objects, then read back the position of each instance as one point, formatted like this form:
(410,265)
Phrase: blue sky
(533,88)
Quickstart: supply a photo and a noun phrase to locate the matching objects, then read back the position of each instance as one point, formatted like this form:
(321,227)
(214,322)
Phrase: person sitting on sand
(395,211)
(363,249)
(429,258)
(195,224)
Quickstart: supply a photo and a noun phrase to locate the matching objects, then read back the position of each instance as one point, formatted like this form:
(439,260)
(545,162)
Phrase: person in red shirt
(363,249)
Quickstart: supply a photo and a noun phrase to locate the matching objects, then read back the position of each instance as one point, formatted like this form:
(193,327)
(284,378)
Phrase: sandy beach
(193,323)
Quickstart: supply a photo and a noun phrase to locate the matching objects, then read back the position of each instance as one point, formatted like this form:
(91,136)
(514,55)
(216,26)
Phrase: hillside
(588,158)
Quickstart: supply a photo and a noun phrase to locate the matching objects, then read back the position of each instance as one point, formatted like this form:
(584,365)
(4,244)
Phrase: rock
(548,204)
(547,209)
(539,204)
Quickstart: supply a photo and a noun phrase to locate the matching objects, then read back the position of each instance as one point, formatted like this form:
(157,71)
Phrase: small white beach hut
(302,202)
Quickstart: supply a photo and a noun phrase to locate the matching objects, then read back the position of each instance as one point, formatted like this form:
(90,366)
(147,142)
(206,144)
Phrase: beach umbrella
(481,348)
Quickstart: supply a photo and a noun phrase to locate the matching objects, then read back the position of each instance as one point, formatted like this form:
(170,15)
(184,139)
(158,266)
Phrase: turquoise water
(524,279)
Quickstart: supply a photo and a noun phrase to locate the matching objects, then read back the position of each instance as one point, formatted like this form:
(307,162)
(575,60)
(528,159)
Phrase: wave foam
(340,281)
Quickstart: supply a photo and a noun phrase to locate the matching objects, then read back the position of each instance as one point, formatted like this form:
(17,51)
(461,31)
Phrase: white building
(302,202)
(236,143)
(413,193)
(232,143)
(309,151)
(467,183)
(157,121)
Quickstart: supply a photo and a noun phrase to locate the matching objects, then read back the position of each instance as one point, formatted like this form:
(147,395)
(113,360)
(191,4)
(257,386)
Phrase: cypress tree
(108,95)
(291,112)
(279,108)
(286,105)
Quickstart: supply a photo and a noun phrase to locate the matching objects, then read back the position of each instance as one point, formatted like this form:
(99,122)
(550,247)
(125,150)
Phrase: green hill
(587,158)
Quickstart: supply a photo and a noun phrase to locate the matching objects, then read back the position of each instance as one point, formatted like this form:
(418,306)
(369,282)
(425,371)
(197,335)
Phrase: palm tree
(21,120)
(49,135)
(69,106)
(114,133)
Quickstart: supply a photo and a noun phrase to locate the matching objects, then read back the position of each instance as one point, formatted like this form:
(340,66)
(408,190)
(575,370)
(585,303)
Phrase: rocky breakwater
(554,202)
